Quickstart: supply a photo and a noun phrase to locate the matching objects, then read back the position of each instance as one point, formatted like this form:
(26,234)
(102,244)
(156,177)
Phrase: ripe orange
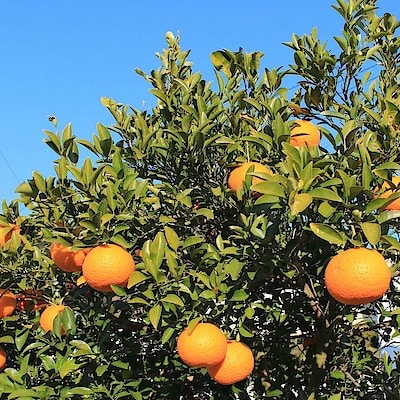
(6,233)
(204,346)
(8,303)
(236,366)
(357,276)
(3,358)
(304,133)
(107,264)
(395,204)
(66,259)
(237,176)
(48,315)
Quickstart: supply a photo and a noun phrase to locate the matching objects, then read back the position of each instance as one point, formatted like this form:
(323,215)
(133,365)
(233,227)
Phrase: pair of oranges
(102,266)
(302,134)
(205,346)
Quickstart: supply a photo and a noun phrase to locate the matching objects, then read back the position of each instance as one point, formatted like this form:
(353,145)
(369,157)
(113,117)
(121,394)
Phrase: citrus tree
(245,251)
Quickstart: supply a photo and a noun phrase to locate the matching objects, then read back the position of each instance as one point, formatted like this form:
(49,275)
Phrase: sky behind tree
(59,59)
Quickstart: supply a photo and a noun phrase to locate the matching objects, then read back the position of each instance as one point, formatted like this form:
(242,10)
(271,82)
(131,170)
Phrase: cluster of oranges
(355,276)
(205,346)
(304,133)
(101,267)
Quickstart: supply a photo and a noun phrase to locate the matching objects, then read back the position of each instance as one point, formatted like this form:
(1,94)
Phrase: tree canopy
(251,261)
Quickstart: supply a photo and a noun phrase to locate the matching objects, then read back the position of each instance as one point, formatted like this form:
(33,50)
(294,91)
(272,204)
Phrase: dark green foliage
(251,262)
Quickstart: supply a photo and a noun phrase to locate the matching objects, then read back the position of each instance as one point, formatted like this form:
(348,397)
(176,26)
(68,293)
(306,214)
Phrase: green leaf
(325,209)
(372,232)
(375,116)
(387,216)
(120,241)
(8,338)
(222,62)
(243,332)
(387,166)
(239,295)
(174,299)
(253,102)
(193,323)
(274,393)
(67,367)
(394,243)
(167,335)
(83,391)
(81,345)
(192,241)
(269,187)
(325,194)
(207,294)
(25,188)
(300,202)
(135,278)
(338,375)
(26,394)
(101,369)
(120,364)
(172,238)
(328,233)
(39,181)
(233,268)
(68,320)
(155,315)
(118,290)
(157,249)
(148,262)
(206,212)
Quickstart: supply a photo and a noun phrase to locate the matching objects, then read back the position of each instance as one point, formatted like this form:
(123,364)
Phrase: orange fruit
(237,365)
(6,233)
(204,346)
(67,259)
(395,204)
(304,133)
(357,276)
(3,358)
(107,264)
(8,303)
(238,175)
(48,315)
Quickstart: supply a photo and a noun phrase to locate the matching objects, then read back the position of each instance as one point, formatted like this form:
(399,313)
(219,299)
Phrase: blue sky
(60,58)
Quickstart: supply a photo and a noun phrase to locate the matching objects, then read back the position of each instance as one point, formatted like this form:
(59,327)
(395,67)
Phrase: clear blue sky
(60,58)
